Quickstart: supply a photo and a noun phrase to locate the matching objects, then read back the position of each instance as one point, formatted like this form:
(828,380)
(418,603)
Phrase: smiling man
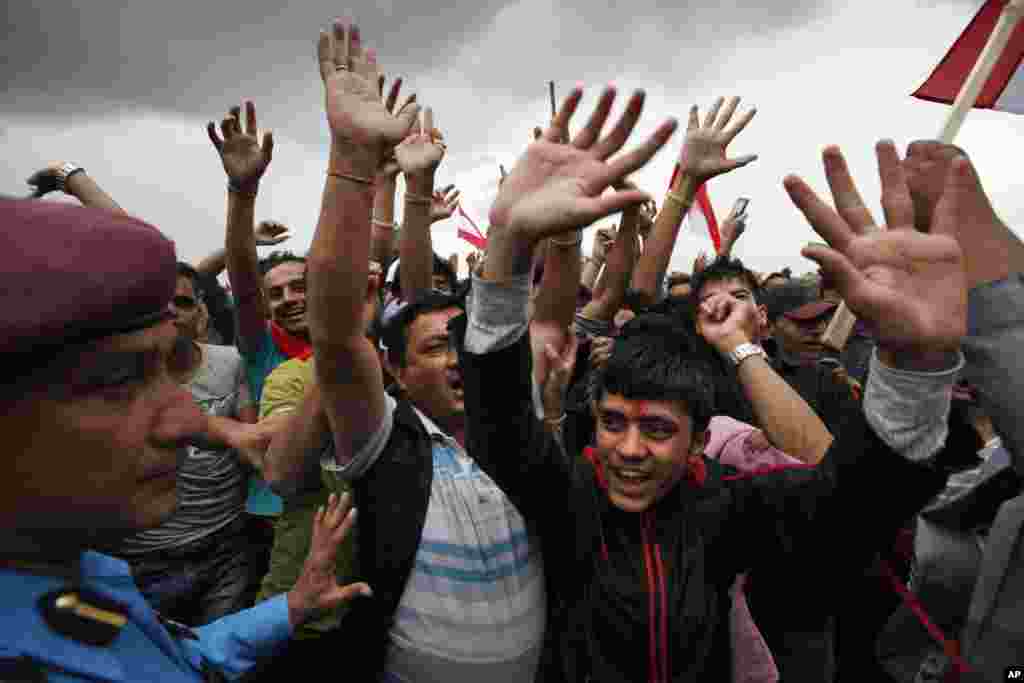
(649,539)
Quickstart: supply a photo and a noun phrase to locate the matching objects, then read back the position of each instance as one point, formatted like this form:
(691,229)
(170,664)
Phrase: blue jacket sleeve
(235,643)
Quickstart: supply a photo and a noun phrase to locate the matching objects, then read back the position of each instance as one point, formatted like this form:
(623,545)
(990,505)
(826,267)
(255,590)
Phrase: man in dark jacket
(649,539)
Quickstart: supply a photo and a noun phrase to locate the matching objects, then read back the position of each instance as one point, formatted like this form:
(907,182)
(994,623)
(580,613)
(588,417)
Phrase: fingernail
(366,591)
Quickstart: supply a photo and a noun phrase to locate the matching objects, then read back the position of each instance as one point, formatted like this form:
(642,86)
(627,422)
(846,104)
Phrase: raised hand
(600,351)
(725,321)
(556,187)
(645,218)
(909,287)
(269,233)
(245,159)
(703,156)
(422,152)
(355,112)
(732,229)
(317,589)
(446,201)
(604,238)
(390,169)
(44,180)
(700,263)
(560,367)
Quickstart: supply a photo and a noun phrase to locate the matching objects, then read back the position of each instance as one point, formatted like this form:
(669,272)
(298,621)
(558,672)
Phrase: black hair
(635,300)
(192,275)
(276,258)
(395,335)
(656,358)
(441,267)
(724,268)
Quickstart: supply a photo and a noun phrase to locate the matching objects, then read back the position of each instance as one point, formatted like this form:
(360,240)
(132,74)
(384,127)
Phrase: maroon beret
(72,275)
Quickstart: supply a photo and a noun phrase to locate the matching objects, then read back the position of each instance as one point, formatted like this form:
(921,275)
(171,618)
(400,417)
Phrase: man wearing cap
(798,316)
(95,429)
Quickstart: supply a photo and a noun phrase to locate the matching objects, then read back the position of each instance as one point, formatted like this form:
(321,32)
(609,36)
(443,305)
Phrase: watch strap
(65,171)
(745,351)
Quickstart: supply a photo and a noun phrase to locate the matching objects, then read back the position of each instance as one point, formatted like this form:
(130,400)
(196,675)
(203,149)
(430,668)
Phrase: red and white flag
(469,232)
(1004,89)
(700,222)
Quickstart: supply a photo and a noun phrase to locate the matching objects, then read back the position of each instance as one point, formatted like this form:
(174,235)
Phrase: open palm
(703,155)
(910,287)
(353,104)
(245,160)
(556,187)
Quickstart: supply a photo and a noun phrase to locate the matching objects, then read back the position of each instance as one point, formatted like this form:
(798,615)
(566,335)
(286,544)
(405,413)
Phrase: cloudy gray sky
(126,91)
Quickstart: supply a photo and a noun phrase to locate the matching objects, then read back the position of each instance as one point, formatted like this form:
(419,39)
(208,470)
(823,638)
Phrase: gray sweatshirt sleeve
(908,410)
(993,348)
(497,314)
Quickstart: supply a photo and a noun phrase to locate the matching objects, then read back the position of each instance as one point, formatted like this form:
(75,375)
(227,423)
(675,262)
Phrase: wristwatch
(65,171)
(745,351)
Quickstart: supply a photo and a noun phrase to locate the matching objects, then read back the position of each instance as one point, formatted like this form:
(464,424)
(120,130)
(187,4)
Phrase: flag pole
(976,80)
(841,326)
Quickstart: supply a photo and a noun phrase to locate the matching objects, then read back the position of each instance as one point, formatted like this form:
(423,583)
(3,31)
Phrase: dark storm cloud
(185,55)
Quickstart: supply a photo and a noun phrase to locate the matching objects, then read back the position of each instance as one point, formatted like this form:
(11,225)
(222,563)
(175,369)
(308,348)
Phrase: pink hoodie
(746,448)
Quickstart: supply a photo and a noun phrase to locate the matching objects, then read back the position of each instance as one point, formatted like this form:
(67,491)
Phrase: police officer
(94,428)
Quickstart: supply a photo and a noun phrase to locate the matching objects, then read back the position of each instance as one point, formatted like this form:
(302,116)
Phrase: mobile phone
(740,207)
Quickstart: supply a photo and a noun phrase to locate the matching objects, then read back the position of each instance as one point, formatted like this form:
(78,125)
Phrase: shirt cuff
(498,314)
(368,454)
(234,643)
(908,410)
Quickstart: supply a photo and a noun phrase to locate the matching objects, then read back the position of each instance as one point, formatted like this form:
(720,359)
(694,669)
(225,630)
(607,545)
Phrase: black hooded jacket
(634,597)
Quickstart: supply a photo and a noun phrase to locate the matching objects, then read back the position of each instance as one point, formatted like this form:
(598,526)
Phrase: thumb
(339,595)
(408,115)
(836,266)
(733,164)
(268,146)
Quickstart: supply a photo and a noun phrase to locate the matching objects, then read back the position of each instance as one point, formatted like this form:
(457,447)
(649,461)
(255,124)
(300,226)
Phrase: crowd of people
(565,468)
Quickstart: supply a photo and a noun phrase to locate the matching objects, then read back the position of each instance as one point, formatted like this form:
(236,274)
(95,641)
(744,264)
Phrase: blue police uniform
(141,647)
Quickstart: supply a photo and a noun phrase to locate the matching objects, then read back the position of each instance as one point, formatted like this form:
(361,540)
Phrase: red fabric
(472,224)
(475,240)
(945,82)
(702,203)
(289,344)
(951,648)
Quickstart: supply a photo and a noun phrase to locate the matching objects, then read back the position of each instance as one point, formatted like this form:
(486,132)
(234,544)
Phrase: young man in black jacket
(648,540)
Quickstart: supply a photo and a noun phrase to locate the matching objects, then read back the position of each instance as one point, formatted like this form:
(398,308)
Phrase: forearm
(338,259)
(85,189)
(292,462)
(588,278)
(657,251)
(555,303)
(214,264)
(509,254)
(221,431)
(415,248)
(382,244)
(243,265)
(790,424)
